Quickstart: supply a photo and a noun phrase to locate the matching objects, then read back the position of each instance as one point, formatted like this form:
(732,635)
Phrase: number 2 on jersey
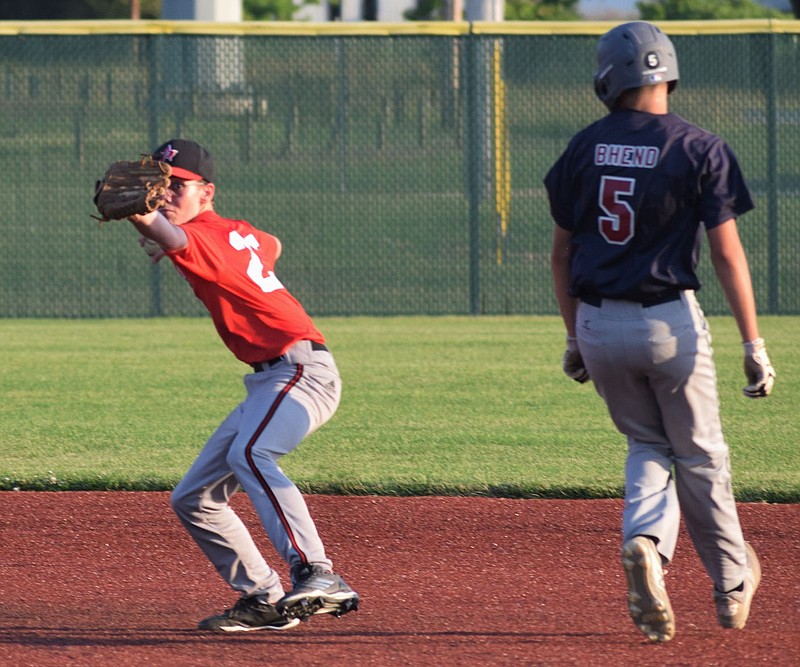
(617,225)
(255,269)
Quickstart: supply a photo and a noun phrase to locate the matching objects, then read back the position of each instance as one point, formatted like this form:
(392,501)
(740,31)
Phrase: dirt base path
(112,579)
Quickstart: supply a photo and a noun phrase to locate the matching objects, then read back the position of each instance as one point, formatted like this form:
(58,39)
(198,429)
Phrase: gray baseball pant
(284,404)
(653,366)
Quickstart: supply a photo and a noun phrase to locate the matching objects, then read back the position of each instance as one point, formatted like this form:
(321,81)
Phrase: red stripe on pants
(263,482)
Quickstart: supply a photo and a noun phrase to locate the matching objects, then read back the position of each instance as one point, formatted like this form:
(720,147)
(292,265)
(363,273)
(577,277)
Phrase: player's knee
(184,504)
(260,463)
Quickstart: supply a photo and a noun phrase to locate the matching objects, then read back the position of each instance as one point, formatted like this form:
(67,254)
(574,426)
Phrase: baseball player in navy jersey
(631,196)
(293,389)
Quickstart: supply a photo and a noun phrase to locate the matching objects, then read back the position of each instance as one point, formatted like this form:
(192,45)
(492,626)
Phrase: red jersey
(230,266)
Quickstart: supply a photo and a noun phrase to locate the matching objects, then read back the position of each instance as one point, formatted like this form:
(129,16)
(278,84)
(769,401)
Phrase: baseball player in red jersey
(294,388)
(630,196)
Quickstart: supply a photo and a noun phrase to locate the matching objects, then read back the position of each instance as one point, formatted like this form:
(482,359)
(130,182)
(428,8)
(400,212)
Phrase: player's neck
(658,109)
(649,99)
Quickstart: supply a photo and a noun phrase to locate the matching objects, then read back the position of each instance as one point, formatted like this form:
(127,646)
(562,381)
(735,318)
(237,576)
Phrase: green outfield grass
(449,405)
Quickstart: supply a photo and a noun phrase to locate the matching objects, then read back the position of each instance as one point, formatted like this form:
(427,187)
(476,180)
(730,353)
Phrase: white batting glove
(758,370)
(572,362)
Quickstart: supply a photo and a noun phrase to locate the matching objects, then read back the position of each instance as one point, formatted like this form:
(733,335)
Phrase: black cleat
(247,615)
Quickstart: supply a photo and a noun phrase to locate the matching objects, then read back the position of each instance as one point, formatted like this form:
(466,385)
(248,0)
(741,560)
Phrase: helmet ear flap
(601,87)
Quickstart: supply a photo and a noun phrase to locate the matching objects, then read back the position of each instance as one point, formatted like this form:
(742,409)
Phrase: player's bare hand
(758,369)
(154,251)
(572,362)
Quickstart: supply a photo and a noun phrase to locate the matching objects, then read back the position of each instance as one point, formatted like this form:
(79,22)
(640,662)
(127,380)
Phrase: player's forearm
(567,305)
(739,294)
(560,267)
(156,227)
(733,274)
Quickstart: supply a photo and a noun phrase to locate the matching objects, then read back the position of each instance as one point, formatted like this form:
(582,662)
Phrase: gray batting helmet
(632,55)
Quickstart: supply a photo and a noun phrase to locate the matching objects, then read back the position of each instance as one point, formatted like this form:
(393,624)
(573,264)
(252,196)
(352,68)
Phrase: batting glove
(758,370)
(572,362)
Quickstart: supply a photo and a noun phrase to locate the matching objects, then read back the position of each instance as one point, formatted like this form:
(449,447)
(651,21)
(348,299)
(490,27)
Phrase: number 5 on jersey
(617,225)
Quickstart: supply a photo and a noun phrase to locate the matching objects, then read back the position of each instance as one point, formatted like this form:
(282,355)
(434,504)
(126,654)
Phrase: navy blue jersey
(634,189)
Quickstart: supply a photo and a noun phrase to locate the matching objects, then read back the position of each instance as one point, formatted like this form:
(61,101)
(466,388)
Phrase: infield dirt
(112,579)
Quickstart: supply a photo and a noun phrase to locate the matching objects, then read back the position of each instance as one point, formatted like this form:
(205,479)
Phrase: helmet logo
(651,60)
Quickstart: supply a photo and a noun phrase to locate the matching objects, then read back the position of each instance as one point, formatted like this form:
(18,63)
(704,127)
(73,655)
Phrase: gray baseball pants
(284,404)
(653,367)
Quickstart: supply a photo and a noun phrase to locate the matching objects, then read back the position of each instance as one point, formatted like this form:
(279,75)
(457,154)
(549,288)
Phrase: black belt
(646,301)
(264,365)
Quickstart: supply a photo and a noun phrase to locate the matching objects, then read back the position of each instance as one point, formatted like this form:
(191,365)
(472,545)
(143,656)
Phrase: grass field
(450,405)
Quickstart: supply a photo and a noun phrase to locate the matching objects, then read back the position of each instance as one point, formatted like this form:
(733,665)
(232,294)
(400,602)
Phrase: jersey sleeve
(557,185)
(201,255)
(724,193)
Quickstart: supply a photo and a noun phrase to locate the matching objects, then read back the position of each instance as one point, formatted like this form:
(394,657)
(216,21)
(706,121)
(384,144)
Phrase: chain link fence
(400,166)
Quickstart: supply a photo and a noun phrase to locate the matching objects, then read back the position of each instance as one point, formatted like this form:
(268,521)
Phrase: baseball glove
(131,187)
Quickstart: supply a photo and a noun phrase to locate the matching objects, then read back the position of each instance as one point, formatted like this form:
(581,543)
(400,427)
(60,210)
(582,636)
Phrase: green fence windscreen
(402,172)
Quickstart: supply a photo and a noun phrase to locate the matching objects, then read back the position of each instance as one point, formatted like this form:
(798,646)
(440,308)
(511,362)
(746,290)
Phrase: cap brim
(177,172)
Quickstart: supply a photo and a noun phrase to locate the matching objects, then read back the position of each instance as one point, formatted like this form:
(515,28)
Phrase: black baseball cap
(188,159)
